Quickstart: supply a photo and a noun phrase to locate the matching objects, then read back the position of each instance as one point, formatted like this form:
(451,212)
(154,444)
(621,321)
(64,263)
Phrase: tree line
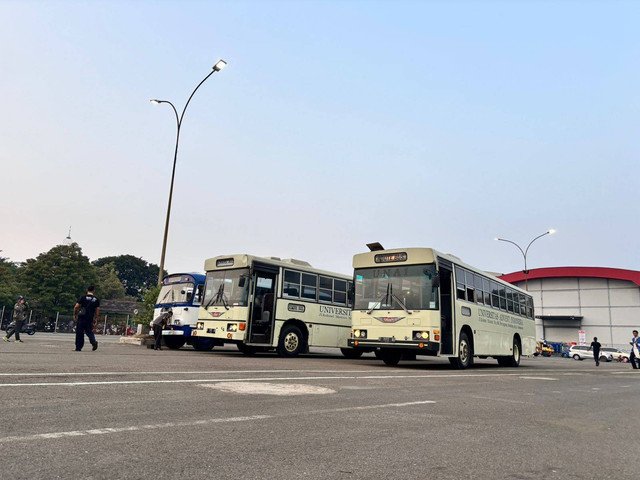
(54,280)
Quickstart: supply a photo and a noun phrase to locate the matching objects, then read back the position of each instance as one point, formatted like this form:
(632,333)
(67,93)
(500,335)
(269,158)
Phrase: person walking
(19,314)
(85,314)
(635,346)
(158,324)
(595,345)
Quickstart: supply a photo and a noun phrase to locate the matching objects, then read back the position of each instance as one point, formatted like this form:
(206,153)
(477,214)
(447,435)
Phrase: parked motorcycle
(28,328)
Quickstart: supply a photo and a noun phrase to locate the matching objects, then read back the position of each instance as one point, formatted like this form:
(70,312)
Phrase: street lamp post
(216,68)
(524,253)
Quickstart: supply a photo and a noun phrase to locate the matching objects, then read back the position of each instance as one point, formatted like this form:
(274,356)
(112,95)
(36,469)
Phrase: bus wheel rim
(291,342)
(464,351)
(516,353)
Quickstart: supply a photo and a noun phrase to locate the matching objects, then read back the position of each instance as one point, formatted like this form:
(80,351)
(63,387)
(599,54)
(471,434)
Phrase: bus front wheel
(390,357)
(291,341)
(174,343)
(465,353)
(351,352)
(246,349)
(203,345)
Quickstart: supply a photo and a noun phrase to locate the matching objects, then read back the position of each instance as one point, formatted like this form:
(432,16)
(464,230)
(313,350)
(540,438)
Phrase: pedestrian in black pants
(635,345)
(85,314)
(595,345)
(158,324)
(19,314)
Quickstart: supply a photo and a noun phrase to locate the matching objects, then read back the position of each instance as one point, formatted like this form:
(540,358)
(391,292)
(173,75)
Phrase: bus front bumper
(184,331)
(431,347)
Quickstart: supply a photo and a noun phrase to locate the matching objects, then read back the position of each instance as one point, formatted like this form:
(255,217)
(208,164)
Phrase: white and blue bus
(182,293)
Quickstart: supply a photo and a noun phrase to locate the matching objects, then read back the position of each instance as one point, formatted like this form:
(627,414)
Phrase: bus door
(261,321)
(446,308)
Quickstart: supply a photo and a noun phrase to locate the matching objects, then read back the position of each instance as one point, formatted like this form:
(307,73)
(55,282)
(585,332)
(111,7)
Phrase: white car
(580,352)
(617,354)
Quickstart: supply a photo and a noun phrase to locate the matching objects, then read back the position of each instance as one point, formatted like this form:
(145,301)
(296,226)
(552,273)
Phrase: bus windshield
(227,287)
(175,293)
(398,287)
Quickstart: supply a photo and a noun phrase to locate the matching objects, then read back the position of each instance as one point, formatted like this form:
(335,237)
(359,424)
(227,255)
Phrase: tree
(9,288)
(109,286)
(149,301)
(57,278)
(136,274)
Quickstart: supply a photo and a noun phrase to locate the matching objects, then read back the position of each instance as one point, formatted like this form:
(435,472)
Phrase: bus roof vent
(297,262)
(275,258)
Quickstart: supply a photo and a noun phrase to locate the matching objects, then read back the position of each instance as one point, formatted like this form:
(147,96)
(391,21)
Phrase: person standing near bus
(19,314)
(85,314)
(595,345)
(158,324)
(635,346)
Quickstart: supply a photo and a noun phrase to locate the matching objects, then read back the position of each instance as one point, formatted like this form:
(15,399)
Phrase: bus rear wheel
(390,357)
(291,341)
(351,352)
(512,360)
(174,343)
(465,353)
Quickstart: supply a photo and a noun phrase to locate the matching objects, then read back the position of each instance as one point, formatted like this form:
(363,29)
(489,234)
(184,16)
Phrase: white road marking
(260,388)
(538,378)
(500,400)
(194,372)
(207,421)
(257,379)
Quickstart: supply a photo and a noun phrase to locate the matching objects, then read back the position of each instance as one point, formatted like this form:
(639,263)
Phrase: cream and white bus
(419,301)
(263,304)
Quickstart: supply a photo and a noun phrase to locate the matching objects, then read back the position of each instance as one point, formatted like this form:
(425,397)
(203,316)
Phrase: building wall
(610,308)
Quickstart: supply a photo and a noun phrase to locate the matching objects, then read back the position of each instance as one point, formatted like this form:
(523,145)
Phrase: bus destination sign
(224,262)
(390,257)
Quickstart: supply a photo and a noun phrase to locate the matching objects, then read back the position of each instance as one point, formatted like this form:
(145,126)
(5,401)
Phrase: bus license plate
(387,339)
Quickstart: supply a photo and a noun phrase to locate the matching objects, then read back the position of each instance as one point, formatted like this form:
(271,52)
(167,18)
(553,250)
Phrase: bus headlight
(422,335)
(232,327)
(200,326)
(359,333)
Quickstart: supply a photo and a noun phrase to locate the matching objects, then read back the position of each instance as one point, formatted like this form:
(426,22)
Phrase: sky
(335,124)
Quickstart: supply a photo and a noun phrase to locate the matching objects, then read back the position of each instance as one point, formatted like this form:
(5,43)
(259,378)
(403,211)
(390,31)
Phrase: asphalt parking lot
(131,412)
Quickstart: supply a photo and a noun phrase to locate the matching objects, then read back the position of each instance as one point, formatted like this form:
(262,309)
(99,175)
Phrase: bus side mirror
(435,281)
(242,282)
(351,293)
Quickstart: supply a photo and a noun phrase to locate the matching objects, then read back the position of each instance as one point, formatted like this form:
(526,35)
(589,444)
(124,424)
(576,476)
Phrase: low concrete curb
(141,341)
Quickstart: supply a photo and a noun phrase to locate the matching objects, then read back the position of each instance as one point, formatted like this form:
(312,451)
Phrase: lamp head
(551,231)
(154,101)
(496,239)
(220,65)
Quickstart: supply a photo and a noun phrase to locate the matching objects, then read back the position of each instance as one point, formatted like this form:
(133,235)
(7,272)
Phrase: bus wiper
(220,296)
(384,295)
(165,295)
(404,307)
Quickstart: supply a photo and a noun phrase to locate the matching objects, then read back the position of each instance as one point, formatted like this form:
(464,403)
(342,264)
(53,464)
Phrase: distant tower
(68,241)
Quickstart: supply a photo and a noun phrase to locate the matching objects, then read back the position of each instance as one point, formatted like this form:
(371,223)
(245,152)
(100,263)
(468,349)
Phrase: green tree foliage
(109,286)
(136,274)
(146,312)
(9,287)
(57,278)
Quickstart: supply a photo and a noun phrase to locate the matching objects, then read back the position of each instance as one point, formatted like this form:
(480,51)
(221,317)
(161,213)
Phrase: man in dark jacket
(85,314)
(19,314)
(595,346)
(158,324)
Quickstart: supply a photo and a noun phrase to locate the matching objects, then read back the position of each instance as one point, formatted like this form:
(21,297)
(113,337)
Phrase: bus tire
(465,353)
(351,352)
(378,353)
(512,360)
(291,341)
(246,349)
(390,357)
(174,343)
(203,345)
